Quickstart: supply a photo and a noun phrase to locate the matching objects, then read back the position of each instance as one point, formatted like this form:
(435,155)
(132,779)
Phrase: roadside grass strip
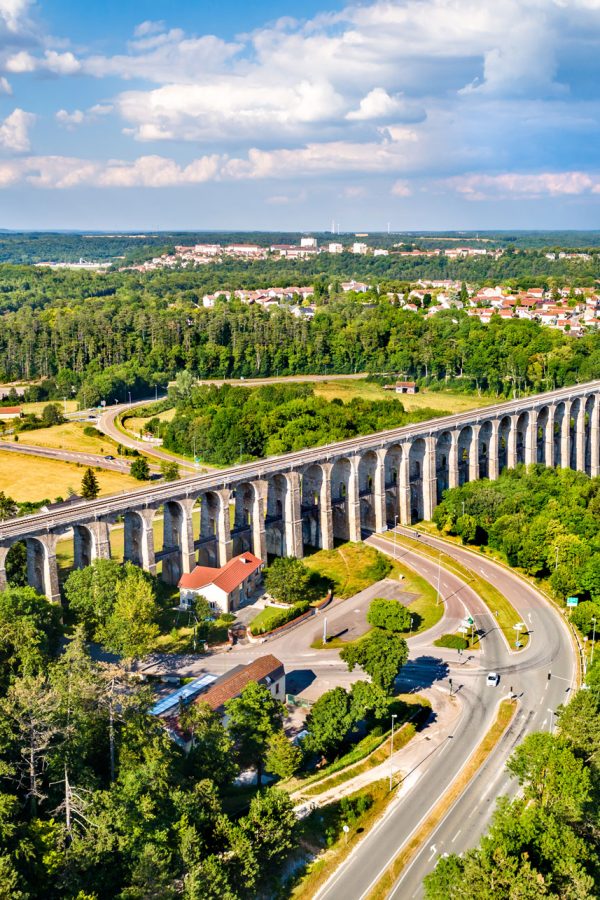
(402,705)
(504,717)
(322,834)
(503,611)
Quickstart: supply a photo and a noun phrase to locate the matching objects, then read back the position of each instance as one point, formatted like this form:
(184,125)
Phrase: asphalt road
(549,650)
(72,456)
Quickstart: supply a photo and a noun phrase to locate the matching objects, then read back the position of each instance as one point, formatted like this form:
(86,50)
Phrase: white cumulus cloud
(14,131)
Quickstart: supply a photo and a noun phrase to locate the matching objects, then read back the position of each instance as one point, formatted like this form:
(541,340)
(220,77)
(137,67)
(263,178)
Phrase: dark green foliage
(254,717)
(546,521)
(89,485)
(283,758)
(140,469)
(329,722)
(287,579)
(29,633)
(389,614)
(224,423)
(381,654)
(169,470)
(8,507)
(51,415)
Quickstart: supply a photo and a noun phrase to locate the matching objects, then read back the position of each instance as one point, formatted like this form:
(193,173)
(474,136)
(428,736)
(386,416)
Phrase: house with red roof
(225,588)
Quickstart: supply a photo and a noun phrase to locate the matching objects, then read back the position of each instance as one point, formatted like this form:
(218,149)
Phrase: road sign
(470,620)
(463,629)
(572,601)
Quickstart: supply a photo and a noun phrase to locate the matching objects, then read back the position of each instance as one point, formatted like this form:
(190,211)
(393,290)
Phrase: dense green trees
(543,520)
(381,654)
(388,614)
(125,332)
(97,801)
(287,579)
(254,717)
(333,718)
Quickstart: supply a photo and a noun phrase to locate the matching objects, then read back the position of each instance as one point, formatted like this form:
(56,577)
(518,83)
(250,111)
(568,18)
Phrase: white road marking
(432,848)
(456,835)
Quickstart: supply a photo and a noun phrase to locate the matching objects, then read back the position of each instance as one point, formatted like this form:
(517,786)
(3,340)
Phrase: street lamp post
(438,598)
(551,711)
(395,537)
(394,716)
(593,639)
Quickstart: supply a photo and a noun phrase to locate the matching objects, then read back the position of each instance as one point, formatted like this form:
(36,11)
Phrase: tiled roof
(13,410)
(228,577)
(232,684)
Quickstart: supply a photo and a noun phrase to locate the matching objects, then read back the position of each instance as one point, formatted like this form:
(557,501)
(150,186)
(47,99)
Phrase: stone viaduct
(310,498)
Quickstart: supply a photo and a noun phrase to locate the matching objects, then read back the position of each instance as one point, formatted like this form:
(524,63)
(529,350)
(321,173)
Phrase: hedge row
(285,616)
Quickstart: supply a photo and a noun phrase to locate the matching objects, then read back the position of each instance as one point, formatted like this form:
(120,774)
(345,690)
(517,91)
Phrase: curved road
(549,650)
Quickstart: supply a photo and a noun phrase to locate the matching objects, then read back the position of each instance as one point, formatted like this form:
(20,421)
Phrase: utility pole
(394,716)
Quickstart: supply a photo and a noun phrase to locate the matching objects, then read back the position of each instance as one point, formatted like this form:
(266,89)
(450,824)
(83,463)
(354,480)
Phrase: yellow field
(38,408)
(68,436)
(136,423)
(367,390)
(35,478)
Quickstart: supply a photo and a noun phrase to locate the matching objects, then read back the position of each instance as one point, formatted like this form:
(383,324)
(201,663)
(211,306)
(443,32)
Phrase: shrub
(452,641)
(277,620)
(90,431)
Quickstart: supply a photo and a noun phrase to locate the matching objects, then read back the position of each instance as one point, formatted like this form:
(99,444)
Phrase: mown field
(68,436)
(448,401)
(28,478)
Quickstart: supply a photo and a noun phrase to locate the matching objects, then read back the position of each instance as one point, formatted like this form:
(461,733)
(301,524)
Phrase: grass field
(349,566)
(38,408)
(27,478)
(496,602)
(136,423)
(68,436)
(447,401)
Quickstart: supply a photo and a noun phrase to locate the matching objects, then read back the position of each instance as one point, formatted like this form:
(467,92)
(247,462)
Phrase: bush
(90,431)
(380,568)
(277,620)
(452,641)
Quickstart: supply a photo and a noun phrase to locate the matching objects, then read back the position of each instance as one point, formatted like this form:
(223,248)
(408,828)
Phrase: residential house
(225,588)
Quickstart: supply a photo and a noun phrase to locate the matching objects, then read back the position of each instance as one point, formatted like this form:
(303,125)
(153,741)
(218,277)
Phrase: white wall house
(225,588)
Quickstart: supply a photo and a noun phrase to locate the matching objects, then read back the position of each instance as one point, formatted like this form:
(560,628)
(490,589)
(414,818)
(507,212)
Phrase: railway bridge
(310,498)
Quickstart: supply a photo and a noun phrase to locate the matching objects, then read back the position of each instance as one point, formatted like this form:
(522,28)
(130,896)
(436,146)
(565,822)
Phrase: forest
(545,521)
(34,247)
(226,424)
(102,336)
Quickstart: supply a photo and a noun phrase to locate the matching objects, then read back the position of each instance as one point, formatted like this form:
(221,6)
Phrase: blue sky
(422,114)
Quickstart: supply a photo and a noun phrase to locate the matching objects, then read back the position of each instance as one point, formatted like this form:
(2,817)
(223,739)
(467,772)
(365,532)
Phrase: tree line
(101,337)
(545,521)
(226,424)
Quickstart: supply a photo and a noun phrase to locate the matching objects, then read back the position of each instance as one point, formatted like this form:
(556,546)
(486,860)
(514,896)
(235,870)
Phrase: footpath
(408,763)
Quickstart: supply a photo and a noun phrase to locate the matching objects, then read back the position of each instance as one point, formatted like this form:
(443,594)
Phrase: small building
(267,670)
(360,248)
(406,387)
(10,412)
(335,247)
(225,588)
(308,242)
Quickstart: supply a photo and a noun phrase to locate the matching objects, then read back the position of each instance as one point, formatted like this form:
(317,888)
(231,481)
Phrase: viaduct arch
(281,505)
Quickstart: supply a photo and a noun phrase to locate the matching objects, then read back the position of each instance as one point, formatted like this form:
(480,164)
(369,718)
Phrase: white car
(492,679)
